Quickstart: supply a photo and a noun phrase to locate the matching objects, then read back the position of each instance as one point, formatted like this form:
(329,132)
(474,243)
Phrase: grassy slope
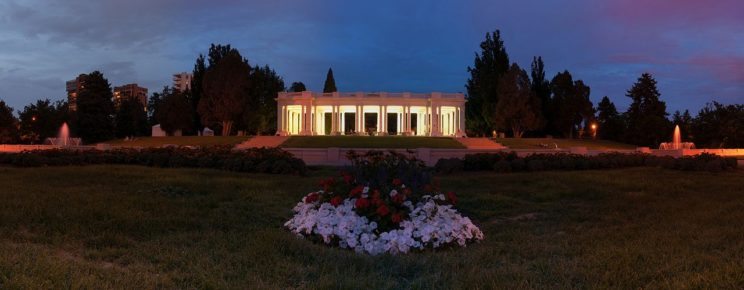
(534,143)
(181,141)
(370,142)
(135,227)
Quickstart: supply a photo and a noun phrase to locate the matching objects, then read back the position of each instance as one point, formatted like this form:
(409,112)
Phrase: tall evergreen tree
(225,92)
(200,68)
(647,122)
(518,108)
(265,85)
(8,124)
(297,87)
(541,86)
(482,86)
(330,83)
(95,109)
(610,123)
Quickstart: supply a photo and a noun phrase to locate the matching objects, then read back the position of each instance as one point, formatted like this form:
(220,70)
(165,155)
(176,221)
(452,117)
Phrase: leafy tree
(719,126)
(482,86)
(42,120)
(570,104)
(95,110)
(153,107)
(297,87)
(541,87)
(8,124)
(174,111)
(200,68)
(647,122)
(684,120)
(225,91)
(609,121)
(131,119)
(260,115)
(330,83)
(518,108)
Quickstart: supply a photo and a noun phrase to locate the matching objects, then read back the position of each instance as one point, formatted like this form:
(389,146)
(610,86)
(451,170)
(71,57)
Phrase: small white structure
(207,132)
(432,114)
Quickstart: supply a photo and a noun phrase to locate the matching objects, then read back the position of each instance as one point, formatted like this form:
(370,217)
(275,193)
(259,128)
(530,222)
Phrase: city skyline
(694,50)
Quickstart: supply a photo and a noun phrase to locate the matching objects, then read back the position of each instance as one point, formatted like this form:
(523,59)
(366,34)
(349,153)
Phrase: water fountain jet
(676,143)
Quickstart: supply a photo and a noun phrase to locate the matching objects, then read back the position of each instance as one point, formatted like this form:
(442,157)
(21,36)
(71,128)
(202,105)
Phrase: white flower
(365,189)
(393,193)
(429,226)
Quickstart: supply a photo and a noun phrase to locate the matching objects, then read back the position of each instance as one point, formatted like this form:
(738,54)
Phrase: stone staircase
(480,143)
(262,141)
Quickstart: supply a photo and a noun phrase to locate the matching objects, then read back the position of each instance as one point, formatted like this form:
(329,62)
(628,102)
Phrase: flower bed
(385,203)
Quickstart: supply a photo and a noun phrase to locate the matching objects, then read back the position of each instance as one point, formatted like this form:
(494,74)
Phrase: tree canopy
(570,104)
(518,108)
(131,119)
(297,87)
(42,120)
(95,109)
(225,91)
(173,111)
(646,115)
(8,124)
(489,65)
(609,121)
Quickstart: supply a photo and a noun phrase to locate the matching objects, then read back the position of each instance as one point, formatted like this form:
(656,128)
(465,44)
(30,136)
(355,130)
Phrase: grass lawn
(534,143)
(370,142)
(128,227)
(180,141)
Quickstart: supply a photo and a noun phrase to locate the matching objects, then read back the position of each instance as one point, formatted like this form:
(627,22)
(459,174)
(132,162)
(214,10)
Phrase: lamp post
(594,131)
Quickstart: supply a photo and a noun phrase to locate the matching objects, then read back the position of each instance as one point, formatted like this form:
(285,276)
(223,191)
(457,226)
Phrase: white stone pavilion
(409,114)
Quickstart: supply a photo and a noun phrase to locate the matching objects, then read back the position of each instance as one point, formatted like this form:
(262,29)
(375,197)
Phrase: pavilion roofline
(311,94)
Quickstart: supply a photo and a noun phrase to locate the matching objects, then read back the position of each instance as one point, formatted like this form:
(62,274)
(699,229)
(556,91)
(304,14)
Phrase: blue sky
(694,49)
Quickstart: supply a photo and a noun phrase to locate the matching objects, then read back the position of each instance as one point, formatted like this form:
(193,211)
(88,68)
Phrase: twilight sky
(695,49)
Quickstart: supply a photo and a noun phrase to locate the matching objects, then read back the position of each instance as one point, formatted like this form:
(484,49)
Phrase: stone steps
(262,141)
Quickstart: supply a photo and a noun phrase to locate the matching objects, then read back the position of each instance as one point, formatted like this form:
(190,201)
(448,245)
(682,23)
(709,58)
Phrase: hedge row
(510,162)
(258,160)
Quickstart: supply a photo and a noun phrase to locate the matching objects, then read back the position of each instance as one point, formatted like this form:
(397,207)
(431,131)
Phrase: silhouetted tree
(570,104)
(225,91)
(518,108)
(541,87)
(482,86)
(174,111)
(647,122)
(153,107)
(131,119)
(42,120)
(200,68)
(719,126)
(297,87)
(609,121)
(330,83)
(260,115)
(8,124)
(95,110)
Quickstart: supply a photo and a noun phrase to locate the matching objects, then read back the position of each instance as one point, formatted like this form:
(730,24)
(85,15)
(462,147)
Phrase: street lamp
(594,131)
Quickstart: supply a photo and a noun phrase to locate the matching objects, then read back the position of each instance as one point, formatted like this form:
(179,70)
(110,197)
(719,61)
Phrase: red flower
(336,200)
(452,197)
(383,210)
(362,203)
(428,188)
(327,183)
(407,191)
(396,217)
(312,197)
(397,182)
(356,191)
(399,198)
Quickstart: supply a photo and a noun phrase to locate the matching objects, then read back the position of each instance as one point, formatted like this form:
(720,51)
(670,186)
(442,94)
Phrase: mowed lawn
(370,142)
(535,143)
(201,141)
(128,227)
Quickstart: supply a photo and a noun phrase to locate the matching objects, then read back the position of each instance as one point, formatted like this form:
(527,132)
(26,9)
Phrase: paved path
(262,141)
(480,143)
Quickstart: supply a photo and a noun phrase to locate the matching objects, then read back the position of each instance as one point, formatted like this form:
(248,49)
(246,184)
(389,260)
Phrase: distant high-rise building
(130,91)
(73,89)
(182,81)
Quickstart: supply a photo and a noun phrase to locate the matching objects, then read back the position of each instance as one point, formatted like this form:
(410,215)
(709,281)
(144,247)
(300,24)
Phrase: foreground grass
(141,228)
(370,142)
(534,143)
(201,141)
